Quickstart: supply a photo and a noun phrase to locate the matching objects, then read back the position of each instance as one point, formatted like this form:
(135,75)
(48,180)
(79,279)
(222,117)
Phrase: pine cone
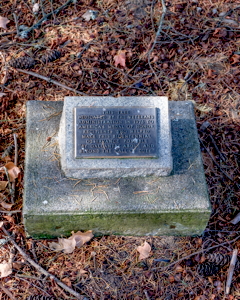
(40,297)
(218,258)
(24,62)
(50,56)
(207,269)
(221,259)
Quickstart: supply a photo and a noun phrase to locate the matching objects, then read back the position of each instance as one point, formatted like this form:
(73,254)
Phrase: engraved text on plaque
(115,132)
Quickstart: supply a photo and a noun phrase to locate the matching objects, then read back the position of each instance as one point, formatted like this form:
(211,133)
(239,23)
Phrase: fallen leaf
(82,272)
(10,219)
(89,15)
(178,269)
(144,250)
(63,244)
(3,185)
(13,171)
(120,58)
(35,8)
(5,205)
(76,240)
(1,224)
(236,219)
(81,237)
(5,269)
(235,58)
(17,265)
(203,108)
(67,281)
(3,22)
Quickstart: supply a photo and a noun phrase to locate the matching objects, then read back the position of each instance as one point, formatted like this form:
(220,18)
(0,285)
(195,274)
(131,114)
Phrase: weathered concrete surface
(115,167)
(55,205)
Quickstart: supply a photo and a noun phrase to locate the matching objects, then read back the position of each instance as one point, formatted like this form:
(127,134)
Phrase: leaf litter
(3,22)
(75,240)
(196,57)
(144,250)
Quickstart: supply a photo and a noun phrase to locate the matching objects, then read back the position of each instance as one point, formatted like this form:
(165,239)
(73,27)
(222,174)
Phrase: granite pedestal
(56,204)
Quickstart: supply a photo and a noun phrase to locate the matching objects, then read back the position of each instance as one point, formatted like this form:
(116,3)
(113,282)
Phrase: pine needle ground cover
(186,50)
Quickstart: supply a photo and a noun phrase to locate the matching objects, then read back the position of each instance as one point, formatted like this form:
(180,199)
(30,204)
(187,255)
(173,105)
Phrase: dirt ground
(186,50)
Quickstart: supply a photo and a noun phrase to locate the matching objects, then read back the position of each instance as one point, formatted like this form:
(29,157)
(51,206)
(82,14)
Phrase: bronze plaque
(115,132)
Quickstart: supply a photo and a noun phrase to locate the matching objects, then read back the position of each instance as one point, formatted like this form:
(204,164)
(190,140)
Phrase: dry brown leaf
(67,281)
(235,58)
(144,250)
(66,245)
(89,15)
(82,272)
(13,171)
(17,265)
(10,219)
(3,185)
(3,22)
(203,108)
(120,58)
(76,240)
(5,269)
(81,237)
(5,205)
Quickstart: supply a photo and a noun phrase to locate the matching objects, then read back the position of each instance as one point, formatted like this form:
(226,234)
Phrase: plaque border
(153,156)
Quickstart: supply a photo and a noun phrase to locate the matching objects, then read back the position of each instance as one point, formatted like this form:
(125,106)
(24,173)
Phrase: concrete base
(54,205)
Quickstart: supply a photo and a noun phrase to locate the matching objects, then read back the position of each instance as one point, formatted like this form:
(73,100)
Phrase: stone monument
(127,165)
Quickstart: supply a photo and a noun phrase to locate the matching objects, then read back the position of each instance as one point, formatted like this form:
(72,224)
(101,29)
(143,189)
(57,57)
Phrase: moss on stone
(139,224)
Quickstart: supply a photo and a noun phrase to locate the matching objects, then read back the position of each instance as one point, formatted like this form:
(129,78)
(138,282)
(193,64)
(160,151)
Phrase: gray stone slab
(115,167)
(54,205)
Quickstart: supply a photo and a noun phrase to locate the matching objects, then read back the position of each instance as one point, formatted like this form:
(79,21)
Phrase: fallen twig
(39,268)
(216,147)
(8,212)
(85,48)
(48,79)
(197,252)
(46,16)
(15,162)
(16,23)
(209,153)
(164,10)
(4,69)
(6,291)
(231,270)
(9,185)
(7,33)
(146,294)
(15,149)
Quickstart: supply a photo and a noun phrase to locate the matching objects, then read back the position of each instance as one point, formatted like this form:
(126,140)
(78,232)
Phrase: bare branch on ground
(164,10)
(48,79)
(40,269)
